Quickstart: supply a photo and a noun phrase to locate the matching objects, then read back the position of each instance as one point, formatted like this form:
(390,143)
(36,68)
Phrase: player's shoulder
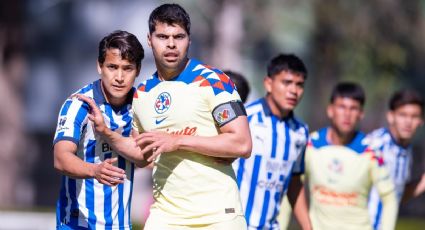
(377,138)
(317,138)
(147,85)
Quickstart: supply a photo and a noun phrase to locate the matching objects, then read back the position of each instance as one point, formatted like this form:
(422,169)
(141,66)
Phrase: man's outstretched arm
(125,146)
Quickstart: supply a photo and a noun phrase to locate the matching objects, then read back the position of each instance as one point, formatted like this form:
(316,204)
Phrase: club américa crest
(162,102)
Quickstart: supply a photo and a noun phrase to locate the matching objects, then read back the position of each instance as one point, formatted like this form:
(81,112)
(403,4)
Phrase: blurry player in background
(341,169)
(242,85)
(404,117)
(279,141)
(97,182)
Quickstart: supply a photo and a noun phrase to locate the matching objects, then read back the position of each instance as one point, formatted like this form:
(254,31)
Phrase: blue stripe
(249,118)
(121,164)
(378,216)
(287,181)
(107,190)
(126,132)
(397,168)
(74,203)
(254,180)
(260,117)
(90,196)
(277,199)
(131,192)
(81,115)
(254,103)
(274,136)
(240,171)
(65,107)
(62,203)
(266,201)
(287,142)
(86,88)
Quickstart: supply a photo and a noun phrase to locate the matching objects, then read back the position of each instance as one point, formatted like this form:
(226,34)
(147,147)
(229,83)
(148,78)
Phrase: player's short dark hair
(405,97)
(348,90)
(128,45)
(241,84)
(169,14)
(286,62)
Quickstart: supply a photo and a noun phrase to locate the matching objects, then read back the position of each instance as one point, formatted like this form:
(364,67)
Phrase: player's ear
(149,40)
(390,117)
(99,67)
(268,81)
(329,111)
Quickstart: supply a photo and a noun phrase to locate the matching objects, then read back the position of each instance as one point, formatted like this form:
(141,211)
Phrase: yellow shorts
(238,223)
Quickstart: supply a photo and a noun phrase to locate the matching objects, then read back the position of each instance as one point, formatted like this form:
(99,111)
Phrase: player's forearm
(70,165)
(298,201)
(414,189)
(125,146)
(390,211)
(227,145)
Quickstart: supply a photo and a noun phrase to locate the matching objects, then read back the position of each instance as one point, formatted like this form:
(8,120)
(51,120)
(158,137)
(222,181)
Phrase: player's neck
(115,102)
(275,110)
(166,74)
(336,137)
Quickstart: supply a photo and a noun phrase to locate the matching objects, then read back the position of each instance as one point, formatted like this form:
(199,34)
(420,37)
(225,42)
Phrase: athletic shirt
(86,202)
(340,178)
(189,188)
(398,161)
(277,154)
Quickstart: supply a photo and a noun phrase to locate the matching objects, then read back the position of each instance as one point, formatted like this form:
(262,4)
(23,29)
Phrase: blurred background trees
(49,48)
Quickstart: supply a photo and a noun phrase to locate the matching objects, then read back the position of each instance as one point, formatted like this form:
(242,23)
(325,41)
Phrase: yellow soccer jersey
(339,180)
(189,188)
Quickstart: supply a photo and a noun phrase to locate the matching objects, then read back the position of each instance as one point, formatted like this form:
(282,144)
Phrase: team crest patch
(162,103)
(223,114)
(336,166)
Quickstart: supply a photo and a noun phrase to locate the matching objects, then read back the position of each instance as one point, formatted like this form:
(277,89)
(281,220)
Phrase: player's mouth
(171,56)
(291,101)
(118,87)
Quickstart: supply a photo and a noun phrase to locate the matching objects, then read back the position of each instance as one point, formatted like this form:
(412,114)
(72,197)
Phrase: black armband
(227,112)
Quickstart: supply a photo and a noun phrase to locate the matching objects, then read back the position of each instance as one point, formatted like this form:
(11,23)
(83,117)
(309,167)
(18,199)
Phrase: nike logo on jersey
(158,121)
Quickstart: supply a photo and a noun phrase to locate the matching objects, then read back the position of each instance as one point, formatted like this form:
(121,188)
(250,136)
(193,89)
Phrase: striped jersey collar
(268,111)
(100,99)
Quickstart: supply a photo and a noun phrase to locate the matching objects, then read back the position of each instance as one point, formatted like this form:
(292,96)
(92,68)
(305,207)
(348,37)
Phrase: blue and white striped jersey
(398,161)
(277,153)
(85,203)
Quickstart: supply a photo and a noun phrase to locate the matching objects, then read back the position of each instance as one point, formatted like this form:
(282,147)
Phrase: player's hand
(95,114)
(108,174)
(154,143)
(223,160)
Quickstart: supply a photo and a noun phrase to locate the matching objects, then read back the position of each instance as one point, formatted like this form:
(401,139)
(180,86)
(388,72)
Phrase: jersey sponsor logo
(159,120)
(190,131)
(270,185)
(162,102)
(330,197)
(106,148)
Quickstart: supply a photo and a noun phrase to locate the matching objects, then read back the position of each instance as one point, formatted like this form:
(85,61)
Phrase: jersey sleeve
(385,187)
(221,92)
(71,121)
(299,164)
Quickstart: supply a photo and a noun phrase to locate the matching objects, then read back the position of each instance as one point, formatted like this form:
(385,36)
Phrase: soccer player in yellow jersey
(341,169)
(189,114)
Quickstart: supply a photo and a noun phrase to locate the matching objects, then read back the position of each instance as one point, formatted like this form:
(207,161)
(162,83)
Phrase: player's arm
(414,189)
(66,162)
(298,201)
(233,140)
(125,146)
(385,186)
